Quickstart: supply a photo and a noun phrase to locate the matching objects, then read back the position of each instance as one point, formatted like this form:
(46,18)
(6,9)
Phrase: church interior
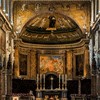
(49,49)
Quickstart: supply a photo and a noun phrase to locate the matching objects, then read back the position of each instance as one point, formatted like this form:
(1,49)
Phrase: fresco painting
(51,63)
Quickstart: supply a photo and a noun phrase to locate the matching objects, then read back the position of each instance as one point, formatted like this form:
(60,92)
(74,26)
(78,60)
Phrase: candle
(40,78)
(59,81)
(59,78)
(37,78)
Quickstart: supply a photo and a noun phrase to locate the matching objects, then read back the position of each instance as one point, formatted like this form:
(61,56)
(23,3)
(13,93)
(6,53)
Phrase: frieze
(24,50)
(54,51)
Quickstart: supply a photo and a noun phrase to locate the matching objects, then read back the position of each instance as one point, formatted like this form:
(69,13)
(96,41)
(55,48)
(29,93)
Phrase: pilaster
(69,63)
(86,62)
(33,64)
(16,64)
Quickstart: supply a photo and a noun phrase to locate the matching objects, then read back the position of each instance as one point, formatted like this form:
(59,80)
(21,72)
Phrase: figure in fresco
(51,63)
(79,64)
(52,21)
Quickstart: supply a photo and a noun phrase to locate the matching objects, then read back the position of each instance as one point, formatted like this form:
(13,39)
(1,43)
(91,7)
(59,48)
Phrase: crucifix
(51,82)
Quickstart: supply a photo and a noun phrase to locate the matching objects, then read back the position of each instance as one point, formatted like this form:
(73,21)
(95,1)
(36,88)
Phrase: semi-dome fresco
(51,28)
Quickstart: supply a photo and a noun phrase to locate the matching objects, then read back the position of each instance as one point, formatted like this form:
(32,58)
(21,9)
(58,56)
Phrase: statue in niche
(52,21)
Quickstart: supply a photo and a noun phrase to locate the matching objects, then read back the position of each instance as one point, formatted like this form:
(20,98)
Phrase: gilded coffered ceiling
(51,22)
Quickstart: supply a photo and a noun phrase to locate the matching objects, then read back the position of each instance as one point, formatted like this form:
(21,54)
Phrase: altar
(51,93)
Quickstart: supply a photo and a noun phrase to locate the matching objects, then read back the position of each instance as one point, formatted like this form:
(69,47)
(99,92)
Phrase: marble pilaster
(86,63)
(33,64)
(16,64)
(69,63)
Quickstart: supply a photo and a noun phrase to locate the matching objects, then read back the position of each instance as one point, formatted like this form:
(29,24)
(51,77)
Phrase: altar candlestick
(65,81)
(59,81)
(44,81)
(62,81)
(40,78)
(41,81)
(51,82)
(37,81)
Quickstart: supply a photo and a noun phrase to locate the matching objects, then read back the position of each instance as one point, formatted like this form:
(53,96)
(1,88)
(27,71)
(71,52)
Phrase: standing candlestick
(44,81)
(62,81)
(59,81)
(65,81)
(51,82)
(40,81)
(37,81)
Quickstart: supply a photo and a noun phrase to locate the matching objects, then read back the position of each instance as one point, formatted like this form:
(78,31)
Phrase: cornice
(51,0)
(82,43)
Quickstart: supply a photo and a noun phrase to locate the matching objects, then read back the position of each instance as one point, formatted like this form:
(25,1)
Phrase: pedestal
(39,95)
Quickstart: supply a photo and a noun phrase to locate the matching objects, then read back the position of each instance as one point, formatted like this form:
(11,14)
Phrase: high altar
(52,90)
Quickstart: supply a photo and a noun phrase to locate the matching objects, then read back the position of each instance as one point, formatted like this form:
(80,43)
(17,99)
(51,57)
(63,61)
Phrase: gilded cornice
(51,0)
(82,43)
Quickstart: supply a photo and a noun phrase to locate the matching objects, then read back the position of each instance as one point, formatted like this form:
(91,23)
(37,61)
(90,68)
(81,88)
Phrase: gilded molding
(61,46)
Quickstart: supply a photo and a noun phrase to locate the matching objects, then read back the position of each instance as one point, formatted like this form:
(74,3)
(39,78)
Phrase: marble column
(7,7)
(92,12)
(11,12)
(98,85)
(5,70)
(95,8)
(0,3)
(99,7)
(4,5)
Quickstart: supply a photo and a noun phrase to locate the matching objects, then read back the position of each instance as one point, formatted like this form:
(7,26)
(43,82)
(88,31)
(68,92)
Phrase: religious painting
(79,64)
(2,40)
(51,63)
(23,64)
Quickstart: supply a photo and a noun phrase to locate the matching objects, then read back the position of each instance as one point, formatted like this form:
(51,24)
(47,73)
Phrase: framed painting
(51,63)
(22,64)
(79,63)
